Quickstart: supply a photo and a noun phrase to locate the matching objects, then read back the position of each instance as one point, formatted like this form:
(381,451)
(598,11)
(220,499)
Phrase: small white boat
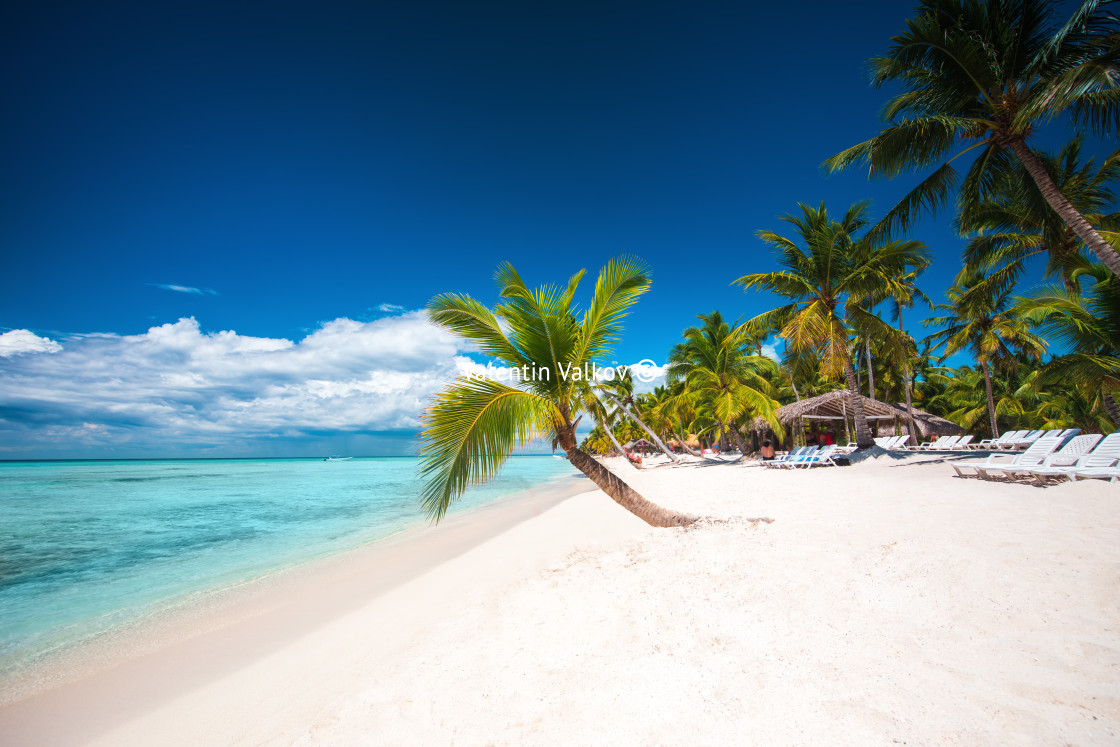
(337,458)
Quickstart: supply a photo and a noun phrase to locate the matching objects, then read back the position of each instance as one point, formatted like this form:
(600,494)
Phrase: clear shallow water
(86,547)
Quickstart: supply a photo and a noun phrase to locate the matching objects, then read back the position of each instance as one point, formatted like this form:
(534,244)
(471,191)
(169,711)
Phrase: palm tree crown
(474,424)
(827,277)
(982,320)
(983,75)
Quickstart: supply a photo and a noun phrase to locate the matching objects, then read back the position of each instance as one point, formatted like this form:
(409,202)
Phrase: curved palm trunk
(1104,251)
(738,438)
(1112,408)
(644,427)
(870,371)
(618,446)
(991,398)
(612,485)
(684,446)
(863,432)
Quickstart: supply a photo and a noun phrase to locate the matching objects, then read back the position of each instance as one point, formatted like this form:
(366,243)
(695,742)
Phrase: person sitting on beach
(636,459)
(767,451)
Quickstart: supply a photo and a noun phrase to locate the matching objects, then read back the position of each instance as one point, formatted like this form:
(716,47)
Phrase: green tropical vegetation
(1034,309)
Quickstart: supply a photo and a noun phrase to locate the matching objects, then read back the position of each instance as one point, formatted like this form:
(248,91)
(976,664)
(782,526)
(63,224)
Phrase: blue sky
(266,171)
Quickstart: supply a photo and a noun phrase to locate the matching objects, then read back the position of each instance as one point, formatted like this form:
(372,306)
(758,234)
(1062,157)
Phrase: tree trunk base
(626,496)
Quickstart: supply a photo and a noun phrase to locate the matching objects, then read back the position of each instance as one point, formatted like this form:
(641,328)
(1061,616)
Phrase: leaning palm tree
(1014,223)
(619,389)
(983,321)
(1086,323)
(716,366)
(474,424)
(827,279)
(985,74)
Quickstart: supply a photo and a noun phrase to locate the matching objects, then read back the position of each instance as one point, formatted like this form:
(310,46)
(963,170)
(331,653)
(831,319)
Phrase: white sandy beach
(887,603)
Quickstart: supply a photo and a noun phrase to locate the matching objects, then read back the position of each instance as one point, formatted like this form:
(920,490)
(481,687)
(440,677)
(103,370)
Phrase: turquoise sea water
(86,547)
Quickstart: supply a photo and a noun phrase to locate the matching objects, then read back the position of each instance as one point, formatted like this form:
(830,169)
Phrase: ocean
(87,547)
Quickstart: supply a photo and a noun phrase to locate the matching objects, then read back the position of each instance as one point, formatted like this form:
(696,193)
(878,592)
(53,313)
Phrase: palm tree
(982,320)
(716,366)
(619,389)
(1013,222)
(827,280)
(984,74)
(1014,397)
(1087,323)
(473,425)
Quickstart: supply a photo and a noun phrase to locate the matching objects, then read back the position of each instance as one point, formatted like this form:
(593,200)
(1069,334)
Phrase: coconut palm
(828,278)
(981,319)
(619,389)
(983,75)
(1087,323)
(1013,222)
(473,425)
(716,365)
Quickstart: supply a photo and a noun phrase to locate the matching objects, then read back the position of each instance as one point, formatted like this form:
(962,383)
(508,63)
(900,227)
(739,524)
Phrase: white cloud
(176,385)
(19,341)
(390,308)
(186,289)
(770,349)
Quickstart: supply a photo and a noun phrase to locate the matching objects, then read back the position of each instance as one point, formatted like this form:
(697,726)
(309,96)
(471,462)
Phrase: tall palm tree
(473,425)
(716,365)
(828,278)
(1013,222)
(984,74)
(983,321)
(1087,323)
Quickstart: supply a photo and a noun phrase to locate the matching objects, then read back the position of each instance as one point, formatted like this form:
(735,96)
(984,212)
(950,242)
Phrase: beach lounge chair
(822,455)
(945,443)
(995,443)
(822,458)
(783,458)
(961,445)
(1029,439)
(1066,456)
(1032,457)
(900,442)
(929,444)
(1103,457)
(794,457)
(1112,474)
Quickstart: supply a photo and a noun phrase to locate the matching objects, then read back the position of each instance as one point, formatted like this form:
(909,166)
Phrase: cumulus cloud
(18,341)
(176,384)
(186,289)
(770,349)
(390,308)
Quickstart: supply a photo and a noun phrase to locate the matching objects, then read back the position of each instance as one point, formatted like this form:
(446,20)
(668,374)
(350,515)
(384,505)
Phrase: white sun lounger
(780,460)
(1032,457)
(1064,457)
(1103,457)
(961,445)
(822,457)
(995,443)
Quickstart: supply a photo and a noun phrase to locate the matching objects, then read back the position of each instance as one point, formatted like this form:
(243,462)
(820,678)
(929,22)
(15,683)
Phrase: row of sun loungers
(805,456)
(1009,441)
(1047,459)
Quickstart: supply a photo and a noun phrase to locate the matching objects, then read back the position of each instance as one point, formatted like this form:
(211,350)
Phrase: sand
(888,602)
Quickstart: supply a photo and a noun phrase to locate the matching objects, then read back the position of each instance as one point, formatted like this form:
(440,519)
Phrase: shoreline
(389,561)
(888,602)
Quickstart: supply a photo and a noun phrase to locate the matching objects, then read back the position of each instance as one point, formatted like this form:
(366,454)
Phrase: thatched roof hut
(837,405)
